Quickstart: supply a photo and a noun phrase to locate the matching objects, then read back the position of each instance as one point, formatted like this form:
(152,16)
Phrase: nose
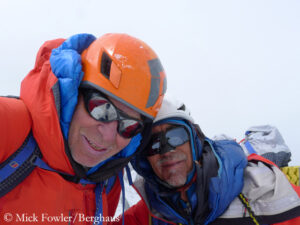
(166,149)
(167,155)
(108,131)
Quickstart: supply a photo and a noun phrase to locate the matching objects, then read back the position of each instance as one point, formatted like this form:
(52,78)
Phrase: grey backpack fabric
(267,141)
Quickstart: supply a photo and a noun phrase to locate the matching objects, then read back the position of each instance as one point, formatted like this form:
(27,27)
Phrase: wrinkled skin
(174,166)
(92,141)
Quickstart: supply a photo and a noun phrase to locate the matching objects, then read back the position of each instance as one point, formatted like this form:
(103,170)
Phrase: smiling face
(174,166)
(92,141)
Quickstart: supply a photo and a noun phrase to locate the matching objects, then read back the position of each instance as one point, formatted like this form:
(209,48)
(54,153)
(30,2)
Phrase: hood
(40,93)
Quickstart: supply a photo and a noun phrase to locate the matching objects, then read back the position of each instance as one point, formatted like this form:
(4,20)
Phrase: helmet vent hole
(105,65)
(182,107)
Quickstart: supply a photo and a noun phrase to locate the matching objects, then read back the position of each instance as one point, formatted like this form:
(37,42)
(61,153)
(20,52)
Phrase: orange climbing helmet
(126,69)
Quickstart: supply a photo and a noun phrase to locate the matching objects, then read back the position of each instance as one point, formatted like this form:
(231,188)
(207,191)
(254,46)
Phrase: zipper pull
(188,209)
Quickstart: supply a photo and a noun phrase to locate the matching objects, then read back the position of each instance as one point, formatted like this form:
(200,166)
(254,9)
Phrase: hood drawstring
(120,175)
(99,207)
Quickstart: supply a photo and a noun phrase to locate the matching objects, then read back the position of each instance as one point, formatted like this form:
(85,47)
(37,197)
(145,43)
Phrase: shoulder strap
(19,165)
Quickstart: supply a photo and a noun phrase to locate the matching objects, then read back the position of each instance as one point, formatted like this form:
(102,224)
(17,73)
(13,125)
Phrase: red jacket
(140,214)
(44,197)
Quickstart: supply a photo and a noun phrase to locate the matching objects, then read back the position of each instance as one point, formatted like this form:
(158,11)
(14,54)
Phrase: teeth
(93,145)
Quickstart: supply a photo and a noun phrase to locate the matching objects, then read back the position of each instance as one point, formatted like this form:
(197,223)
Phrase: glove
(66,65)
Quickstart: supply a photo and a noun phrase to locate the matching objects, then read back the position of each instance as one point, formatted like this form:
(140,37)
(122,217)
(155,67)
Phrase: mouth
(94,146)
(167,165)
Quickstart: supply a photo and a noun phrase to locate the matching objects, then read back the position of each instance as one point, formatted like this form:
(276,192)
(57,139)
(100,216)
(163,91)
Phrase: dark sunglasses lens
(153,148)
(101,109)
(155,145)
(175,141)
(129,128)
(177,136)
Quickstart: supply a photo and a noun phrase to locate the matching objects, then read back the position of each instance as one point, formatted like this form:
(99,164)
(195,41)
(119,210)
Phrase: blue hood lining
(66,65)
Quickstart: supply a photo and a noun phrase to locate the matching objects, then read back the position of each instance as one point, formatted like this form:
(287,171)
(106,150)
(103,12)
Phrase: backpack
(267,141)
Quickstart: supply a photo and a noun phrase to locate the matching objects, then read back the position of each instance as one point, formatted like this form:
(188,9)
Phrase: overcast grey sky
(234,63)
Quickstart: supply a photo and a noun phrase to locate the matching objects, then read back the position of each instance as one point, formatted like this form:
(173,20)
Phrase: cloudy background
(234,63)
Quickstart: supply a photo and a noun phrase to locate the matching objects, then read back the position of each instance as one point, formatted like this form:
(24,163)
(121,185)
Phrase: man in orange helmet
(65,142)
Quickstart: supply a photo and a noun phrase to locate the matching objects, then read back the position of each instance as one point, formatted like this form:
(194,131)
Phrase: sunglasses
(103,110)
(168,140)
